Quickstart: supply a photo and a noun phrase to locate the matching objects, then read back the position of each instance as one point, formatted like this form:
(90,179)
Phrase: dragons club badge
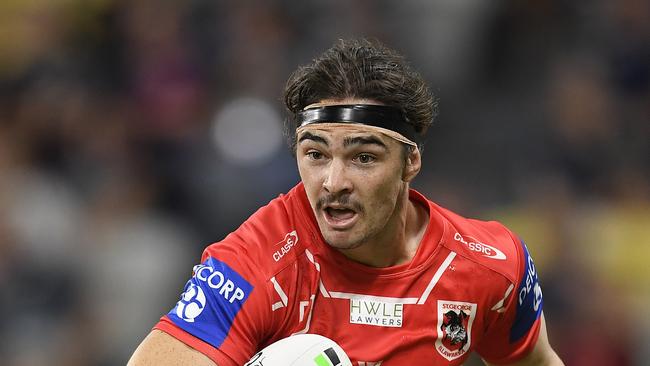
(454,328)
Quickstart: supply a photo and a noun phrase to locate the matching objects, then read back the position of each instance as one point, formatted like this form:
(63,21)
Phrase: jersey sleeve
(514,331)
(223,311)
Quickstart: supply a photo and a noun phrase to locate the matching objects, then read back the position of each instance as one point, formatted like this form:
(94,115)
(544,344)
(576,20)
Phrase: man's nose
(336,178)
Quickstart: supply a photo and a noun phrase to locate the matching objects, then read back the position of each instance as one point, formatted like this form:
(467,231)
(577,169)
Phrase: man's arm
(161,349)
(541,355)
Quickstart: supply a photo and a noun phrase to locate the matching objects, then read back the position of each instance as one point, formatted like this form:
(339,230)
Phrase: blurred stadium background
(134,133)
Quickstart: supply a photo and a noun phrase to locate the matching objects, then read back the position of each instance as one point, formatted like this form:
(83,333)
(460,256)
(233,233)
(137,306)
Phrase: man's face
(353,179)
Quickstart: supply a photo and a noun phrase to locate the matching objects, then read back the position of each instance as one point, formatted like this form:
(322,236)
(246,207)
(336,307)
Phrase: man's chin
(341,241)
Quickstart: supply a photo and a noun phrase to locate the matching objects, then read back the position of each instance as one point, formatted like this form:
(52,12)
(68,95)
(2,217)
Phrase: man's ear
(413,165)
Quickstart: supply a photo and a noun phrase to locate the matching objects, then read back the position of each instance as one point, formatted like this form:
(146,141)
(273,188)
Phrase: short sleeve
(222,311)
(514,332)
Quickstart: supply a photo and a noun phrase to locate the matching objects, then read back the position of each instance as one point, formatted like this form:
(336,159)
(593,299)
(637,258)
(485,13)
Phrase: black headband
(390,118)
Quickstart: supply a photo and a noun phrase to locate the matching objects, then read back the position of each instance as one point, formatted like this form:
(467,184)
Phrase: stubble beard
(372,232)
(353,240)
(348,244)
(329,233)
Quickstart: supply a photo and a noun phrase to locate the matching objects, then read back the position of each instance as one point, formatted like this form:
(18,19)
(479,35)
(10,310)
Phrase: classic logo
(289,241)
(454,328)
(475,245)
(191,304)
(374,312)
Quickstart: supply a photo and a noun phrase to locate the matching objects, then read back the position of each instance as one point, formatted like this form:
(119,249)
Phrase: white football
(301,350)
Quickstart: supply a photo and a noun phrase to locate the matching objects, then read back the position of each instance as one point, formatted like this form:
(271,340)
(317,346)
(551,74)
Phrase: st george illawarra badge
(455,320)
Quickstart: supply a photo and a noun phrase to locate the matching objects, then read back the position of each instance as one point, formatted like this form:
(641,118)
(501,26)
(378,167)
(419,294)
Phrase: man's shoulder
(268,240)
(489,244)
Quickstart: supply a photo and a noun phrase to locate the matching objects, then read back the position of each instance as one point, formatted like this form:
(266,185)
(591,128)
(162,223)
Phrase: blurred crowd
(134,133)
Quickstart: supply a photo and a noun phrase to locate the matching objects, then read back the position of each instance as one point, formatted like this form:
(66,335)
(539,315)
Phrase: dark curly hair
(360,68)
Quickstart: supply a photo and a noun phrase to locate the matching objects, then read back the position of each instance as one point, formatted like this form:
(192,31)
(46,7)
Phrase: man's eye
(365,158)
(314,155)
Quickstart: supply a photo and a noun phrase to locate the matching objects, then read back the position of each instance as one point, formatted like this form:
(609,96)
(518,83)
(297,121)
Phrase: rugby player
(352,252)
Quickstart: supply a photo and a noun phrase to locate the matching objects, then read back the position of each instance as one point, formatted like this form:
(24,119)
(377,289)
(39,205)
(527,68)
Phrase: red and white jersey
(471,286)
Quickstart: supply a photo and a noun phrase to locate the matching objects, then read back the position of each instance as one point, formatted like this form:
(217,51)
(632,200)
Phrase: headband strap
(382,116)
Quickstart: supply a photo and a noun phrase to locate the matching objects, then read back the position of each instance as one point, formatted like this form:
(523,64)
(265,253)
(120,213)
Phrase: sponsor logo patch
(191,304)
(529,299)
(475,245)
(210,301)
(374,312)
(290,240)
(455,320)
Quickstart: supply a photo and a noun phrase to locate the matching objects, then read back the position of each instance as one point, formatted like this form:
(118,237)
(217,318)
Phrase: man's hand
(161,349)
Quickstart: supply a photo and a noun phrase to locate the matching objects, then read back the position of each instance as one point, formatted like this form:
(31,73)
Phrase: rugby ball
(301,350)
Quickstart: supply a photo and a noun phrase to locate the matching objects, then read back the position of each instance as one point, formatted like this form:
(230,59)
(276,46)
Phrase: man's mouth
(339,217)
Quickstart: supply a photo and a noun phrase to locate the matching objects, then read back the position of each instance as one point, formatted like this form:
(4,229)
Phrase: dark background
(134,133)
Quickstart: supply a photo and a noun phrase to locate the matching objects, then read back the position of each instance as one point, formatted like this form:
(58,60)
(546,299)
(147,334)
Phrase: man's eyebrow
(311,136)
(363,140)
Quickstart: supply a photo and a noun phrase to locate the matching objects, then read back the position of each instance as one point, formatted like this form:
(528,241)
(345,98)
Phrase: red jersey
(471,286)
